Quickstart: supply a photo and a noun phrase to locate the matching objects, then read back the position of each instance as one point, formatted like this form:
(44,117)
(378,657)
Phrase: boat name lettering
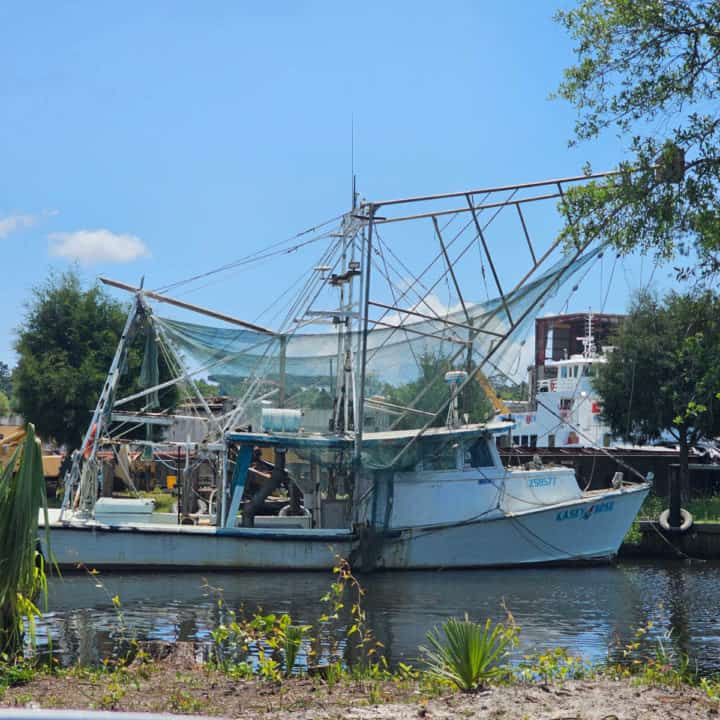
(585,513)
(539,482)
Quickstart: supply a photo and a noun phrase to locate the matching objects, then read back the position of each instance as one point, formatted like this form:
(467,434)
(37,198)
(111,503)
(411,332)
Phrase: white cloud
(12,223)
(91,246)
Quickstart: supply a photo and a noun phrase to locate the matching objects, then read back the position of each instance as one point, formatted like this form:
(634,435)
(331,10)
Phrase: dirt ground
(177,684)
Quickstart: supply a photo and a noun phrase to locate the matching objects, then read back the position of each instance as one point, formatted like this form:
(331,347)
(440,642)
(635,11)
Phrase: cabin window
(533,441)
(566,403)
(524,440)
(586,370)
(551,441)
(478,454)
(516,439)
(563,372)
(440,456)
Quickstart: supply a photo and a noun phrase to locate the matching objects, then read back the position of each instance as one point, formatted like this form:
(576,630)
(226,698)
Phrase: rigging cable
(270,251)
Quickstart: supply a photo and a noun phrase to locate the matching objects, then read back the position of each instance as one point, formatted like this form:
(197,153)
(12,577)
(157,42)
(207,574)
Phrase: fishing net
(402,361)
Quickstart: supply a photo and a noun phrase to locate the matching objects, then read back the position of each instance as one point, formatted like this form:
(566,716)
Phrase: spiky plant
(470,654)
(22,573)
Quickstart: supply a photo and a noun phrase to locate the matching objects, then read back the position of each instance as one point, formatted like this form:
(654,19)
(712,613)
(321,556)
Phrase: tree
(650,71)
(5,379)
(65,346)
(4,404)
(436,392)
(663,375)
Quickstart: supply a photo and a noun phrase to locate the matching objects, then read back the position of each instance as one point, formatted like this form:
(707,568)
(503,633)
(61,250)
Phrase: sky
(161,139)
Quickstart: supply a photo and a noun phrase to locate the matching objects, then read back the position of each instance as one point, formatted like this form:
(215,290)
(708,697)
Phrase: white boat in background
(397,474)
(564,409)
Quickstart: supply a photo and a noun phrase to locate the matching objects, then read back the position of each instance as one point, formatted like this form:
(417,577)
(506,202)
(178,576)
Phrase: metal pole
(363,351)
(674,516)
(527,234)
(457,211)
(437,318)
(489,257)
(187,306)
(485,191)
(281,371)
(220,516)
(101,416)
(451,270)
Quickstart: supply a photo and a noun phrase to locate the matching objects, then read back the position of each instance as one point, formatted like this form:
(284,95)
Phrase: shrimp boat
(372,440)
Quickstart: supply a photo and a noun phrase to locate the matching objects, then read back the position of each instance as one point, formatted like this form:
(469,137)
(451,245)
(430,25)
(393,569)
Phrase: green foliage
(65,346)
(664,374)
(518,391)
(366,652)
(266,645)
(556,665)
(4,404)
(703,509)
(207,389)
(312,399)
(470,654)
(292,640)
(5,379)
(633,536)
(435,393)
(22,570)
(649,71)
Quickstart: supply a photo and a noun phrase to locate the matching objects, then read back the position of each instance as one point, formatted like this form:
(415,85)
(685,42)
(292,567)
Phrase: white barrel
(455,377)
(281,420)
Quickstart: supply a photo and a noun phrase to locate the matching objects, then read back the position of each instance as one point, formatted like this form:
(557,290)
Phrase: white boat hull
(590,529)
(182,547)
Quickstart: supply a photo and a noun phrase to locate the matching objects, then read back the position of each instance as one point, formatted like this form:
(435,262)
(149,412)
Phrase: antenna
(352,160)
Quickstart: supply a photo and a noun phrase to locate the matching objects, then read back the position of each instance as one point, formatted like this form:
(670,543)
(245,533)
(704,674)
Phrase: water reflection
(591,611)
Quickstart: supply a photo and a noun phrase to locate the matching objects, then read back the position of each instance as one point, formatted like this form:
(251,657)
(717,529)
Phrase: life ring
(687,521)
(285,512)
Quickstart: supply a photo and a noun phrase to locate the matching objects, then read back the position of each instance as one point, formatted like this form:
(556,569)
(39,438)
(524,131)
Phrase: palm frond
(22,494)
(467,654)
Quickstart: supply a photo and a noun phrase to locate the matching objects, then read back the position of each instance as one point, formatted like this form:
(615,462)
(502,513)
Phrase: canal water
(591,611)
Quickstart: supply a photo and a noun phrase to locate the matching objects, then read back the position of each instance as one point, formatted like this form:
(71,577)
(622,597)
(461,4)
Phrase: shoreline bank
(178,683)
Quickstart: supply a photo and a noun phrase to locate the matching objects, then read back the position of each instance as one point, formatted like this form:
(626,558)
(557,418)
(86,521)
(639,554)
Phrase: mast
(364,337)
(85,476)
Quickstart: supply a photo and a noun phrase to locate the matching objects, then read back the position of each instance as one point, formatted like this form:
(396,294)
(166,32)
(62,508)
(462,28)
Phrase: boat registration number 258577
(579,513)
(540,482)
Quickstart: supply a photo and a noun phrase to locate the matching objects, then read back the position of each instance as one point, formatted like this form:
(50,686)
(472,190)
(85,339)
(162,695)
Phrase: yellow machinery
(11,436)
(497,402)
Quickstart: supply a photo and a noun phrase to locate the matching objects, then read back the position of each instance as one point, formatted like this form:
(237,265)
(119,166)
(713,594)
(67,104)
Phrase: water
(591,611)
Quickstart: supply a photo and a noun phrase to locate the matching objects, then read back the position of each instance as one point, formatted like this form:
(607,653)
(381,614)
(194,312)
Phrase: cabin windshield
(439,455)
(477,454)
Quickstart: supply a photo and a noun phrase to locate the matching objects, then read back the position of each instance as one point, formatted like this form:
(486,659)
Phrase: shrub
(470,654)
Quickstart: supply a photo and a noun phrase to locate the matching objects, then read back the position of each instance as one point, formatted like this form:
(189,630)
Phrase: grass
(164,501)
(703,509)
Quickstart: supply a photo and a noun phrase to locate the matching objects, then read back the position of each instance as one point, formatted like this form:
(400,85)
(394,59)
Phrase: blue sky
(166,138)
